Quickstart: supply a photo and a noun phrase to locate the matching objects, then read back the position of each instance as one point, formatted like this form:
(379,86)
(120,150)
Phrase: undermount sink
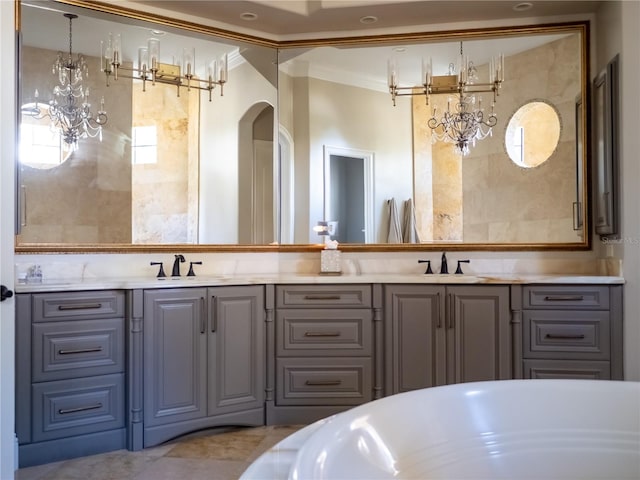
(197,278)
(452,278)
(570,278)
(204,278)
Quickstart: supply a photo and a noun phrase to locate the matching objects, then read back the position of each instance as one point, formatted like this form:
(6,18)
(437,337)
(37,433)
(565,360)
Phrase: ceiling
(45,27)
(283,20)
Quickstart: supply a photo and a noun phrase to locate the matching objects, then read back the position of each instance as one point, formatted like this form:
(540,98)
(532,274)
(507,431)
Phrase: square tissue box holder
(330,262)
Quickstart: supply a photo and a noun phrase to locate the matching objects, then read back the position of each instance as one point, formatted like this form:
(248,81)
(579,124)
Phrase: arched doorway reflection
(256,199)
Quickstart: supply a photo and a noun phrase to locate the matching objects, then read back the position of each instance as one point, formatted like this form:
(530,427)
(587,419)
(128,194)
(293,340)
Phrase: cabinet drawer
(77,407)
(327,332)
(555,297)
(326,381)
(567,369)
(52,307)
(326,296)
(78,348)
(566,335)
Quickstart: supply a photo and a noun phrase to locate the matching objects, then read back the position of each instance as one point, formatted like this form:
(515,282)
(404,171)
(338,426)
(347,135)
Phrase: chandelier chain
(70,40)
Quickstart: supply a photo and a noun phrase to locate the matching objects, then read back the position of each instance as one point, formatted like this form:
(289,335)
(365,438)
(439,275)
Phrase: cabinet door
(237,366)
(478,333)
(414,337)
(175,365)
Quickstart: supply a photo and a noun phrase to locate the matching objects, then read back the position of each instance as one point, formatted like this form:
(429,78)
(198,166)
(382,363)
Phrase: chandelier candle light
(149,67)
(465,119)
(70,110)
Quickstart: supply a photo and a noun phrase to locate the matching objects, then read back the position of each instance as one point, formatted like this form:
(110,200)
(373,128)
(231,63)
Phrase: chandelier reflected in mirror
(465,119)
(69,110)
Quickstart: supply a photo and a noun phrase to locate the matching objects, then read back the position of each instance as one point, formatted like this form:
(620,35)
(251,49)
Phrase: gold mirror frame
(581,27)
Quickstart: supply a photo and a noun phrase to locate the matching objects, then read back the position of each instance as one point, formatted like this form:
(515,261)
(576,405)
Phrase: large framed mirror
(305,132)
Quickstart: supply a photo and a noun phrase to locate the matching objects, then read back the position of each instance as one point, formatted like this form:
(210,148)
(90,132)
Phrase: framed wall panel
(605,129)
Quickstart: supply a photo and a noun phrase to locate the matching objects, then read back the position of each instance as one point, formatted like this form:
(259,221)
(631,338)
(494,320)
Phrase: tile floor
(215,454)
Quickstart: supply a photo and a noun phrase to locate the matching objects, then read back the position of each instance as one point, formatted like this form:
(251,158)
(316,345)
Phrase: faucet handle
(428,262)
(191,273)
(459,269)
(161,273)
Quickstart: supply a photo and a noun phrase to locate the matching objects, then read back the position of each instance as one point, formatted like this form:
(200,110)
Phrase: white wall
(7,308)
(342,118)
(219,151)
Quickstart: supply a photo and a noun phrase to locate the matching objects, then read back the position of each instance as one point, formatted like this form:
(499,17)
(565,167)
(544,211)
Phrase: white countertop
(130,283)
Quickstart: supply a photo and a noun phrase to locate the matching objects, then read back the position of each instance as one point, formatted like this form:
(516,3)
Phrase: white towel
(409,230)
(395,233)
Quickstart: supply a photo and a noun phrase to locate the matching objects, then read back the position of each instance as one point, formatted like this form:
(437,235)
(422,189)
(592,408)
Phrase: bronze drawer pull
(64,411)
(565,336)
(80,350)
(564,298)
(80,306)
(322,297)
(323,383)
(321,334)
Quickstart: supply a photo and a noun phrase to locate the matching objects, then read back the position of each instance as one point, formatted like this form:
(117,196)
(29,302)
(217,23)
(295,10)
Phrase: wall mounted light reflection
(322,228)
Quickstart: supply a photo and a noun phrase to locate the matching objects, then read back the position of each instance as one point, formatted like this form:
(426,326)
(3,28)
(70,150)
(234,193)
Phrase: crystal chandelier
(149,67)
(70,110)
(465,120)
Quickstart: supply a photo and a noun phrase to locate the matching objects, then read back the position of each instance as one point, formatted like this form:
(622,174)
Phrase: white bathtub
(512,429)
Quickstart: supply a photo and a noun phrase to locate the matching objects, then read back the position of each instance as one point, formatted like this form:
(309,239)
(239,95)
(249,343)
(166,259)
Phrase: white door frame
(8,111)
(286,187)
(367,157)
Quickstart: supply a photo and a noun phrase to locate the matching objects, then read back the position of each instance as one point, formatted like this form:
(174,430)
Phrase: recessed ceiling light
(248,16)
(399,49)
(367,19)
(157,33)
(523,6)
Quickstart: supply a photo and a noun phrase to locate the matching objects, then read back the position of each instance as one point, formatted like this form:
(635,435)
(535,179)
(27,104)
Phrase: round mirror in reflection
(533,133)
(40,146)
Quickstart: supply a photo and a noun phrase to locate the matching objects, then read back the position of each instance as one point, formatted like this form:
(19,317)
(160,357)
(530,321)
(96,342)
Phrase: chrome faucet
(175,271)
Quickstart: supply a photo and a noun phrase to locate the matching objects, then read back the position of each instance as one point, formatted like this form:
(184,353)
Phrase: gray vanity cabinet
(572,331)
(70,374)
(203,359)
(437,335)
(324,349)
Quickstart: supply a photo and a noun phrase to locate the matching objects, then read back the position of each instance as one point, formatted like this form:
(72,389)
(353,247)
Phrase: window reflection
(532,134)
(144,145)
(40,147)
